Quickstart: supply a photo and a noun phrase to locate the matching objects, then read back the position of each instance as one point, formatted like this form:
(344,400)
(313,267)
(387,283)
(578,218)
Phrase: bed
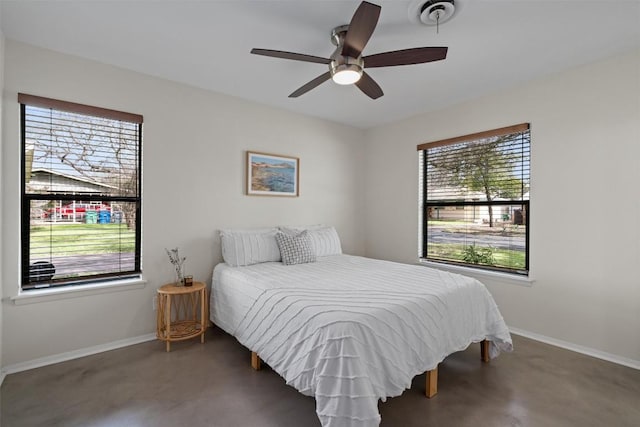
(350,331)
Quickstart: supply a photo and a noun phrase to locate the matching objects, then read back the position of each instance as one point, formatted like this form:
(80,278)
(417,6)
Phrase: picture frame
(272,174)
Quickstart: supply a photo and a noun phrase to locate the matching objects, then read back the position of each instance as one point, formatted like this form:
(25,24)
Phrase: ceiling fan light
(346,77)
(346,74)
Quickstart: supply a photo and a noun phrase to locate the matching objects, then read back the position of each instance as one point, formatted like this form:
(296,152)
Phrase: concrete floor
(213,385)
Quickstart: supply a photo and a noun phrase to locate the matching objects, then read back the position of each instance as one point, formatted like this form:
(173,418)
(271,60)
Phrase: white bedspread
(350,330)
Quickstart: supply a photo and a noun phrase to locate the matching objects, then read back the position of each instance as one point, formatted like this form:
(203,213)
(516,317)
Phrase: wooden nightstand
(182,312)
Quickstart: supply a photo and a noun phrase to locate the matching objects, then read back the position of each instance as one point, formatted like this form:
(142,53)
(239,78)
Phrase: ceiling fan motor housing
(340,62)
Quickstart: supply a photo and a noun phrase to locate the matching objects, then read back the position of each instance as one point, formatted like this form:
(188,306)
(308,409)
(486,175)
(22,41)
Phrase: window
(81,195)
(474,200)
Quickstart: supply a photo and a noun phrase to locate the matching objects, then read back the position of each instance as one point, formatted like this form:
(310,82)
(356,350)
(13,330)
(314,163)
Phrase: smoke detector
(431,12)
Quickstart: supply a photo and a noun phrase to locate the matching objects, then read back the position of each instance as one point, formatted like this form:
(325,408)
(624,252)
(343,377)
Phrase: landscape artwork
(272,175)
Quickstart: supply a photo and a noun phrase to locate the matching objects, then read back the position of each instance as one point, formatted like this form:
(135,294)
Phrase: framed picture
(272,175)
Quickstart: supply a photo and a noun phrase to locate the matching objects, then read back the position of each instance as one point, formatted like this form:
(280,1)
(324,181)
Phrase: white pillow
(324,240)
(249,246)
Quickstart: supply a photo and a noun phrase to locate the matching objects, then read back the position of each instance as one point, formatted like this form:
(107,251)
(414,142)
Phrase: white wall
(585,151)
(585,130)
(194,144)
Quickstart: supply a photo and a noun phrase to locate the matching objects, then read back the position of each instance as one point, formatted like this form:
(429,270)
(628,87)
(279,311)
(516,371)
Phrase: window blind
(81,195)
(475,199)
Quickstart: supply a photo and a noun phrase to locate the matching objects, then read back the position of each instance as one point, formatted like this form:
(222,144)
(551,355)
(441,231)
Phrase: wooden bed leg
(484,351)
(432,383)
(255,361)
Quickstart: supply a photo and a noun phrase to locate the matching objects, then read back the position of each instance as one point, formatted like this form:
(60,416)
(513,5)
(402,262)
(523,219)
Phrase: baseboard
(631,363)
(75,354)
(63,357)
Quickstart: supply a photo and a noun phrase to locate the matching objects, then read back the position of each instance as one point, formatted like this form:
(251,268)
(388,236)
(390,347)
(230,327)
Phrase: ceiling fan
(346,64)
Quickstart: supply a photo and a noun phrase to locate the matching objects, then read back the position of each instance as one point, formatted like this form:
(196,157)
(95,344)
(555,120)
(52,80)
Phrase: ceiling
(493,45)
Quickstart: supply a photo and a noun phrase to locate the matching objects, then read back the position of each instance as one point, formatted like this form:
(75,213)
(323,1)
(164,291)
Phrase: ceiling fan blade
(418,55)
(290,55)
(369,86)
(361,27)
(312,84)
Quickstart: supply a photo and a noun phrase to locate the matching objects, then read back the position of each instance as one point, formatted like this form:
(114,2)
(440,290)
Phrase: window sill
(44,295)
(516,279)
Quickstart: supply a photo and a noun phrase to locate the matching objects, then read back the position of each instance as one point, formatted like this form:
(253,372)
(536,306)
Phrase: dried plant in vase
(178,263)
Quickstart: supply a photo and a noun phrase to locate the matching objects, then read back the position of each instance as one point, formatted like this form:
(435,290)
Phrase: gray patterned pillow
(295,249)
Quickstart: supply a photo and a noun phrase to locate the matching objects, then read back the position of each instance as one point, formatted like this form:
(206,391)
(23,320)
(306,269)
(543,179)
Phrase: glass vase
(179,276)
